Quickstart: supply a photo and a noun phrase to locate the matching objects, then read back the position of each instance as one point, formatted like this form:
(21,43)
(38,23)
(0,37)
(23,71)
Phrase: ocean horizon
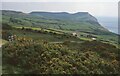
(110,23)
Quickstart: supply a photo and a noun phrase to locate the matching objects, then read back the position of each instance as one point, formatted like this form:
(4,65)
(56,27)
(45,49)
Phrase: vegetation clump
(28,56)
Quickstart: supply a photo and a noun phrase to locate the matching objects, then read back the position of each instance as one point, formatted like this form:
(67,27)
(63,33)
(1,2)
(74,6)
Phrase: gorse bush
(27,56)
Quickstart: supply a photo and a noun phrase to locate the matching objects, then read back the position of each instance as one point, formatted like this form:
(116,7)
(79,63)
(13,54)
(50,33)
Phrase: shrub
(27,56)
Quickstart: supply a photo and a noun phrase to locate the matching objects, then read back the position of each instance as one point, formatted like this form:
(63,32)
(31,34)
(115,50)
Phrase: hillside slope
(33,51)
(43,45)
(81,21)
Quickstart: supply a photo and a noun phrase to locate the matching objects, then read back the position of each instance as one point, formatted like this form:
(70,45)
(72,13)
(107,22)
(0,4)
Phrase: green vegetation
(46,45)
(37,57)
(86,23)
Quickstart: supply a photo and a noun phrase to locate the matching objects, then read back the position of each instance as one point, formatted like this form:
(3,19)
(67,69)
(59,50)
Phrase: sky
(60,0)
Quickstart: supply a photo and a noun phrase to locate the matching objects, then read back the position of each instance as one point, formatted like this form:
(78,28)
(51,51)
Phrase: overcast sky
(107,8)
(59,0)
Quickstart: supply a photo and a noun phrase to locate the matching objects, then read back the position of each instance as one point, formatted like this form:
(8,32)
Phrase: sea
(110,23)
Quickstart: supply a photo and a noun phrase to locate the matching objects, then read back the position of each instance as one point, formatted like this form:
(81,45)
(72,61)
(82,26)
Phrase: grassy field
(58,33)
(46,35)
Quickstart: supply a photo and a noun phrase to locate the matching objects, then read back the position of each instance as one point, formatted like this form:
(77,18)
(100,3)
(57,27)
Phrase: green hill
(44,43)
(81,21)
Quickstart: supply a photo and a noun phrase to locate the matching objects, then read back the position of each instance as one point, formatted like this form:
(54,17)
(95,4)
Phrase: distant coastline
(111,23)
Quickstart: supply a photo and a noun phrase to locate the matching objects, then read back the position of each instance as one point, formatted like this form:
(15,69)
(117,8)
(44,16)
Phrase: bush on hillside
(27,56)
